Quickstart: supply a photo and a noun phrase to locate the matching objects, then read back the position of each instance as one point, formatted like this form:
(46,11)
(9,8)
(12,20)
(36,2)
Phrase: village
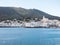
(43,23)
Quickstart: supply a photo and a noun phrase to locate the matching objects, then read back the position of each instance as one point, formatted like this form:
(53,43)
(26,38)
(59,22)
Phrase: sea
(29,36)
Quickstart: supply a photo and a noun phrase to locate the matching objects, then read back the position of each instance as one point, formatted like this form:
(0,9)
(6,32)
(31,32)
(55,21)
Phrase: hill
(10,13)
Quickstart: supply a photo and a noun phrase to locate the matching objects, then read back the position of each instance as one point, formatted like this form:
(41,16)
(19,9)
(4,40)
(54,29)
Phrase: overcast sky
(49,6)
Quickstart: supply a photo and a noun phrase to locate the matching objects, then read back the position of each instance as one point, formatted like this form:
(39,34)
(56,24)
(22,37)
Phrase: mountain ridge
(10,13)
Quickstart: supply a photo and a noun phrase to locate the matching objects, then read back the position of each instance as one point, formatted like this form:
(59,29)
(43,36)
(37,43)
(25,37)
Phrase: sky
(49,6)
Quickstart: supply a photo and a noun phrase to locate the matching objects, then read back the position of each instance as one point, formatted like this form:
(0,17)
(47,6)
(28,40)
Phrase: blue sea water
(29,36)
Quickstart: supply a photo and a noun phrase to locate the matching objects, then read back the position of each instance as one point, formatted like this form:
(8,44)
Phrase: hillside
(21,13)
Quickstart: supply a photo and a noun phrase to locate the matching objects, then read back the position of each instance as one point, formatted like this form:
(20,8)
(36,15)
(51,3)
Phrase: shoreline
(25,27)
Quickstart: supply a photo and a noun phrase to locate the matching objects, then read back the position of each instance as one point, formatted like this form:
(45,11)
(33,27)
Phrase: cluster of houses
(43,23)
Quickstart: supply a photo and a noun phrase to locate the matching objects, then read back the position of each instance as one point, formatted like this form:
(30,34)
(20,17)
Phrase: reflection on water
(29,36)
